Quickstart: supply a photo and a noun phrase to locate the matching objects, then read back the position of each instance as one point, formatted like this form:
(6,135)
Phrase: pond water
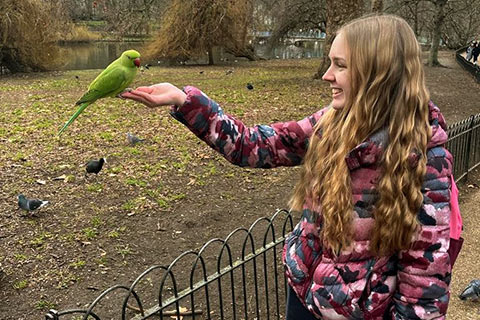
(97,55)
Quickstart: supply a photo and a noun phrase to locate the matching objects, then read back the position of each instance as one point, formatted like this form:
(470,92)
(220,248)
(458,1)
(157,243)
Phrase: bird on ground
(249,86)
(145,67)
(229,72)
(109,83)
(133,139)
(30,204)
(94,166)
(471,291)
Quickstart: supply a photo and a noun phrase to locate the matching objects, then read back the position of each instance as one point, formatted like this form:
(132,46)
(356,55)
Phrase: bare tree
(462,22)
(338,13)
(295,14)
(453,21)
(191,29)
(132,17)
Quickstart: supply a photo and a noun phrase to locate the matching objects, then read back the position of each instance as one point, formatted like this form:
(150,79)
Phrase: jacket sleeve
(423,276)
(261,146)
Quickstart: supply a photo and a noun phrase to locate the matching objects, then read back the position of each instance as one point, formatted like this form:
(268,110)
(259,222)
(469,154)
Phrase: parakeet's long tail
(75,115)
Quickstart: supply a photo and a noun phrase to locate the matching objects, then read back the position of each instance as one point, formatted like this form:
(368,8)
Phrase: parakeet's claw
(126,90)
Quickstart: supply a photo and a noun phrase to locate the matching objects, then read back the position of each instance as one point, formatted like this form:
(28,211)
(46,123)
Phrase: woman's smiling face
(337,74)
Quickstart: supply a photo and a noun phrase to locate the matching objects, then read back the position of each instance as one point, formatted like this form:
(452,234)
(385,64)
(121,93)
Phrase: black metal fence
(470,67)
(240,277)
(464,144)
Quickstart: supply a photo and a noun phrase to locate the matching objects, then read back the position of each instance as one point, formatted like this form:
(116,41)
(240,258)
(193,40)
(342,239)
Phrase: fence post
(469,141)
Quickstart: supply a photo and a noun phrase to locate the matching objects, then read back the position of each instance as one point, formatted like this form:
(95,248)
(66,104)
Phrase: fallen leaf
(42,182)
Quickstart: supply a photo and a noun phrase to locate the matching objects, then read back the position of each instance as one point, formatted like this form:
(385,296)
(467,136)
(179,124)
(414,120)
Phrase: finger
(128,95)
(144,89)
(132,96)
(145,96)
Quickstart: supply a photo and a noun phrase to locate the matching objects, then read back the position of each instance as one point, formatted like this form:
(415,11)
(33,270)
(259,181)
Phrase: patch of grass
(107,136)
(178,196)
(69,237)
(20,256)
(77,264)
(115,170)
(113,234)
(19,156)
(102,261)
(135,182)
(133,151)
(163,203)
(96,222)
(39,240)
(96,187)
(129,205)
(44,305)
(65,278)
(21,284)
(133,204)
(89,233)
(124,250)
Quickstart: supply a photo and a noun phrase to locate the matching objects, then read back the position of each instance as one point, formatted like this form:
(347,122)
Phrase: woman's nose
(328,75)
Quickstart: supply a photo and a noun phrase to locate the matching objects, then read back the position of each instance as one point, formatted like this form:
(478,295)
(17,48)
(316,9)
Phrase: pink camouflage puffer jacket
(413,284)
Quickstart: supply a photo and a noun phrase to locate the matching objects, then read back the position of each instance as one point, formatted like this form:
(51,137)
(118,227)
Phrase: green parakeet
(110,82)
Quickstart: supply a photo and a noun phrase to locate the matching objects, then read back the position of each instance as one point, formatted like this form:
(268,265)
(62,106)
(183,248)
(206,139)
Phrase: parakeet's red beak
(137,62)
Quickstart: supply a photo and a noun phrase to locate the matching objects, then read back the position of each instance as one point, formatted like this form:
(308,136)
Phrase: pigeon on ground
(471,291)
(94,166)
(132,139)
(30,204)
(249,86)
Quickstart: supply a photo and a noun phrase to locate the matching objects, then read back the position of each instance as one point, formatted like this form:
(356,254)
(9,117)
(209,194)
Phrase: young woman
(374,187)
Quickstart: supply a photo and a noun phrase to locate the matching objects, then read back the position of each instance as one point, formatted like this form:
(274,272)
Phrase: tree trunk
(437,31)
(338,13)
(210,56)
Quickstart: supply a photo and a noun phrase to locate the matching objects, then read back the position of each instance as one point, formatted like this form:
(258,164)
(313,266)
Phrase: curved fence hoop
(132,287)
(104,293)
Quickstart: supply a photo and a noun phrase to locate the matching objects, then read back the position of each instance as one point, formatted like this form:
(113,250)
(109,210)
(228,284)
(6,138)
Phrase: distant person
(476,53)
(469,50)
(374,188)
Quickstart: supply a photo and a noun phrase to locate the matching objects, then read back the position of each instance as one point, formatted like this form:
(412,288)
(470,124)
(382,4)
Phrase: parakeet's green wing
(109,83)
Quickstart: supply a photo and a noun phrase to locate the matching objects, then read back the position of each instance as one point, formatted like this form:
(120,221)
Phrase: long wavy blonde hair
(387,91)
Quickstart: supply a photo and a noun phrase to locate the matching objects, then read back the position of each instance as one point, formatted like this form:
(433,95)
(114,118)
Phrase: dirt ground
(172,194)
